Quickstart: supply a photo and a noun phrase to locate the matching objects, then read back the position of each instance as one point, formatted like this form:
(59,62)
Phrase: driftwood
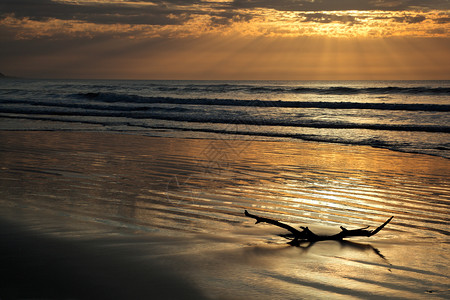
(306,235)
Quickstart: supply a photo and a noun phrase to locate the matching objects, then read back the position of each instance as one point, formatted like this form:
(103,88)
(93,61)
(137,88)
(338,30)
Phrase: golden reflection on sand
(119,183)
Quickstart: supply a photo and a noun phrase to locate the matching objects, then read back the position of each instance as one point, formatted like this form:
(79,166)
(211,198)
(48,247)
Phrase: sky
(226,39)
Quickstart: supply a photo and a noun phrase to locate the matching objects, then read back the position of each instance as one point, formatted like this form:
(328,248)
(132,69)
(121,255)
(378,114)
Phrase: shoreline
(256,138)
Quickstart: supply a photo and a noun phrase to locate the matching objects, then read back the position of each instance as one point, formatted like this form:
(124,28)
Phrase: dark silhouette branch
(306,235)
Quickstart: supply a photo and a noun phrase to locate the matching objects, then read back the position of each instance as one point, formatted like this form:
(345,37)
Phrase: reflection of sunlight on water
(335,201)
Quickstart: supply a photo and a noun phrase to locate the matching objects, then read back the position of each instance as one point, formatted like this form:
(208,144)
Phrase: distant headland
(3,76)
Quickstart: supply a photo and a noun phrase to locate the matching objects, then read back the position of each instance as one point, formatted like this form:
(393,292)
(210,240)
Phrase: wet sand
(41,266)
(102,216)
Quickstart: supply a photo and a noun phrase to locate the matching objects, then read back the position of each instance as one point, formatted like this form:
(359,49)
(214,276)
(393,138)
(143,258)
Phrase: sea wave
(296,89)
(93,106)
(130,98)
(222,118)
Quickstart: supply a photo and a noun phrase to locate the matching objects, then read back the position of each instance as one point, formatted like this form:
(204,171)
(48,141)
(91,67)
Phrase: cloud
(438,31)
(105,12)
(168,12)
(410,19)
(442,20)
(338,5)
(328,18)
(63,19)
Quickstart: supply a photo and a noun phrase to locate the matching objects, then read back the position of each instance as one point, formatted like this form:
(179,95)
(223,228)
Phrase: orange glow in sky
(226,39)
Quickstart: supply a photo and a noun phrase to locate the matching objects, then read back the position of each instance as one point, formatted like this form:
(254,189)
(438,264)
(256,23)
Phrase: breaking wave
(126,98)
(295,89)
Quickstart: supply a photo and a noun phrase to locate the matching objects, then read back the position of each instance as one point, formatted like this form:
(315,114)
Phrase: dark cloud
(442,20)
(333,5)
(328,18)
(410,19)
(172,12)
(226,18)
(111,13)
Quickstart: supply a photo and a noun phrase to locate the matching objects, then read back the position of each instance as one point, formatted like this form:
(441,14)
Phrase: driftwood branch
(306,235)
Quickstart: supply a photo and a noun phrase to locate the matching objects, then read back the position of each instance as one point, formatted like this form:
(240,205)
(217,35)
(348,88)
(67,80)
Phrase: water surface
(181,201)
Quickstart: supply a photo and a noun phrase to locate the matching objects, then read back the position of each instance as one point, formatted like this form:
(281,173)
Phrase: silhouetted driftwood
(306,235)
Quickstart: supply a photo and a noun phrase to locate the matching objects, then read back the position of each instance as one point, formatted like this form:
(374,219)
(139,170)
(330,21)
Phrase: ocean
(116,189)
(407,116)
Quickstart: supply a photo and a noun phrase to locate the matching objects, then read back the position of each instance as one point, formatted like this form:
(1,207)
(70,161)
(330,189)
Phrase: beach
(102,215)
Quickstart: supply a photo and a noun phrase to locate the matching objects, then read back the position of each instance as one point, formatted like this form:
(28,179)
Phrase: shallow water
(181,202)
